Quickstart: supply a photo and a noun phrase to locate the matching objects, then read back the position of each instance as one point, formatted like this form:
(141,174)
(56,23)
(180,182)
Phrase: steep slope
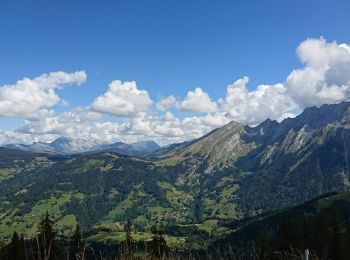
(272,165)
(318,225)
(218,149)
(166,150)
(296,160)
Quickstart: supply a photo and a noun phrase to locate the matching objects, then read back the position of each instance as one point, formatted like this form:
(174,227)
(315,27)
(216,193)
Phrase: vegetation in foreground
(321,225)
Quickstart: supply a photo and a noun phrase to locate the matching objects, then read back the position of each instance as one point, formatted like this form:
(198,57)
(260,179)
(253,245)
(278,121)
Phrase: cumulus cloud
(71,123)
(197,101)
(325,78)
(166,103)
(145,124)
(32,98)
(14,137)
(168,116)
(252,107)
(122,100)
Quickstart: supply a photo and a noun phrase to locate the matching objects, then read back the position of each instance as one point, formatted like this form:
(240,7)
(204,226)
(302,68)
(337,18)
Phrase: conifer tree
(2,244)
(158,244)
(128,246)
(49,249)
(78,245)
(15,247)
(340,249)
(23,247)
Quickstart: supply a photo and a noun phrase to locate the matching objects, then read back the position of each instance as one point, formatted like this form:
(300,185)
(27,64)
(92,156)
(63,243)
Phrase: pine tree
(23,247)
(15,247)
(49,249)
(128,246)
(2,244)
(158,244)
(78,245)
(340,249)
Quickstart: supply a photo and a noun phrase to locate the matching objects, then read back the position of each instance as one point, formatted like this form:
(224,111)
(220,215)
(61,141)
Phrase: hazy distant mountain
(136,149)
(148,146)
(66,145)
(37,147)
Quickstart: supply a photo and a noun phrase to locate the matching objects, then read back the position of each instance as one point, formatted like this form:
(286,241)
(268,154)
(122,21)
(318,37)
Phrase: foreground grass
(117,237)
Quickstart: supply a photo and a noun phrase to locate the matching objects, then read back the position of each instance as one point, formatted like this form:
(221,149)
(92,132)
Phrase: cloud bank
(324,78)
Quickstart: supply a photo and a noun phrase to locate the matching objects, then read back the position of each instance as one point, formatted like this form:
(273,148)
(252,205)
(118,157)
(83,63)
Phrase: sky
(165,70)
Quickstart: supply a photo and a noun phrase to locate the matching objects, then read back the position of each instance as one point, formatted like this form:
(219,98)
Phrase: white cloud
(72,123)
(215,120)
(122,100)
(166,103)
(149,125)
(266,101)
(14,137)
(197,101)
(79,124)
(32,98)
(325,78)
(168,116)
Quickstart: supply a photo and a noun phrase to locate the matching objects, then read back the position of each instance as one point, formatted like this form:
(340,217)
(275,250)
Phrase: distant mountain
(35,147)
(66,145)
(136,149)
(62,145)
(149,146)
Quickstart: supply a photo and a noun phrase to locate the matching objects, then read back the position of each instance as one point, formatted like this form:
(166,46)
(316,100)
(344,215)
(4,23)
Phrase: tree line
(46,245)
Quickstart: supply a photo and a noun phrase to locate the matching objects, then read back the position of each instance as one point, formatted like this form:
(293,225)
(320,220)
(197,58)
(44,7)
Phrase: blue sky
(167,47)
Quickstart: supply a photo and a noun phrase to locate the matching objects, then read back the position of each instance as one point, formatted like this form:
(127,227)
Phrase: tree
(48,248)
(78,246)
(128,246)
(158,243)
(15,249)
(2,244)
(23,247)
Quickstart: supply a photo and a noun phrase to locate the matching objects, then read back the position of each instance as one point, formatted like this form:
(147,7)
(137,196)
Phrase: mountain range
(233,173)
(66,145)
